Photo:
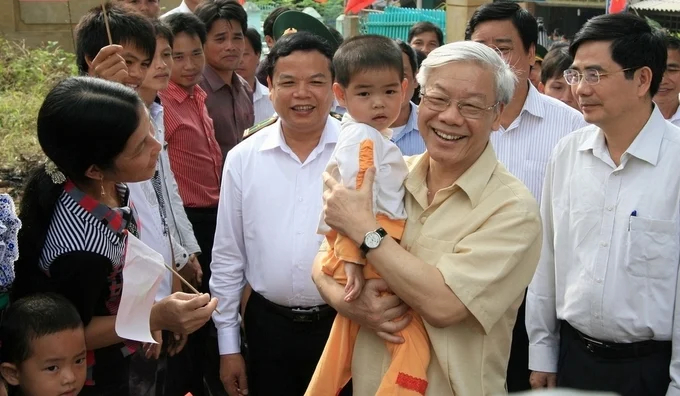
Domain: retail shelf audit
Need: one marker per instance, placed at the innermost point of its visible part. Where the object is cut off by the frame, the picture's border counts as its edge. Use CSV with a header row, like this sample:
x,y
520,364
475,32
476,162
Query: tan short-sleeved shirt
x,y
483,234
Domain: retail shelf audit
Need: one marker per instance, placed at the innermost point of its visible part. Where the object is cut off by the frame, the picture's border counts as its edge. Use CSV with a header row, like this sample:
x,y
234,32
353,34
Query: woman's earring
x,y
101,183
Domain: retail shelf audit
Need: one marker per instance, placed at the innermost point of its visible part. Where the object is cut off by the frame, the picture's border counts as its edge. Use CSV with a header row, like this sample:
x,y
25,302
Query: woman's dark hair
x,y
410,54
424,27
162,30
33,317
556,61
127,28
83,121
299,41
505,10
211,11
632,42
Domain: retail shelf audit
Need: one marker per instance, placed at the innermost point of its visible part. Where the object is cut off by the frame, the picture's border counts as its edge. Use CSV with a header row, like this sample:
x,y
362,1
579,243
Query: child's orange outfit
x,y
359,148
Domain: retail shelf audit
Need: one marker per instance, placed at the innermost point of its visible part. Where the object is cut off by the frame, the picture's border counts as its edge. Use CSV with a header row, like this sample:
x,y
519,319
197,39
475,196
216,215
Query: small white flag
x,y
142,275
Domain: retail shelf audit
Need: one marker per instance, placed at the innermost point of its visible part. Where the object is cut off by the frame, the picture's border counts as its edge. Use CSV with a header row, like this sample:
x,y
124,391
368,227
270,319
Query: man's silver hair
x,y
470,51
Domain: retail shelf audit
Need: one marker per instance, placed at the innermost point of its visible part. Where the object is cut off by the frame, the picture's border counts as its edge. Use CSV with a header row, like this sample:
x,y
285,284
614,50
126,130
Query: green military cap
x,y
540,52
295,21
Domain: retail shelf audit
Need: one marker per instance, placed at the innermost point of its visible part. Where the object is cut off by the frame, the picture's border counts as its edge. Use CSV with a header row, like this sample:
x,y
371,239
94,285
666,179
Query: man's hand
x,y
540,379
381,311
109,64
192,271
233,374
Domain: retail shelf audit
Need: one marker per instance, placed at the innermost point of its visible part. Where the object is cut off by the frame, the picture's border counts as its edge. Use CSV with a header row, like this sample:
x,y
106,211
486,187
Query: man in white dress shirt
x,y
250,60
187,6
531,126
602,309
668,98
266,236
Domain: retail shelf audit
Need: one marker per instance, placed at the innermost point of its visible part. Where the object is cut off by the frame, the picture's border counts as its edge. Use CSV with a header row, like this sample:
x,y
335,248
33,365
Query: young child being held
x,y
43,347
370,84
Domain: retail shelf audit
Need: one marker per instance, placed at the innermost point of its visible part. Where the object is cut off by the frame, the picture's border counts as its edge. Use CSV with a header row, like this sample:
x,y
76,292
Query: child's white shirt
x,y
391,169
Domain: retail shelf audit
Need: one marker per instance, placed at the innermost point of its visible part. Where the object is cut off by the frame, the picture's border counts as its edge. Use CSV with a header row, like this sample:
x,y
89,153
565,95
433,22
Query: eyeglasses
x,y
591,76
440,104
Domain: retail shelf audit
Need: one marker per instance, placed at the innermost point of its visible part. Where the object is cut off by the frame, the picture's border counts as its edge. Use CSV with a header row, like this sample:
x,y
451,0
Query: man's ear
x,y
10,373
88,60
404,86
340,95
541,87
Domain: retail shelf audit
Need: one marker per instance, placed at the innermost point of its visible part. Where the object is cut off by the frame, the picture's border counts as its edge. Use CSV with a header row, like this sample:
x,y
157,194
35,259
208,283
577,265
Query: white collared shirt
x,y
611,246
182,8
675,118
525,146
262,105
266,226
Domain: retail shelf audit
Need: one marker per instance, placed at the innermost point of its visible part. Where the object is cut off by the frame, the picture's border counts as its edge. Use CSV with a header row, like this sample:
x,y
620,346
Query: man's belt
x,y
296,314
613,350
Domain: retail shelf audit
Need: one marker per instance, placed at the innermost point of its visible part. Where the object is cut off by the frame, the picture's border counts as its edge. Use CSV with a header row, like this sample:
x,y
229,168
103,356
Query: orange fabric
x,y
366,160
407,374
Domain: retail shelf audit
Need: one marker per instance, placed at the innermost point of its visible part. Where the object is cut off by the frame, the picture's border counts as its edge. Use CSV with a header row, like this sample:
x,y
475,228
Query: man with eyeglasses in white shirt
x,y
668,98
531,126
602,309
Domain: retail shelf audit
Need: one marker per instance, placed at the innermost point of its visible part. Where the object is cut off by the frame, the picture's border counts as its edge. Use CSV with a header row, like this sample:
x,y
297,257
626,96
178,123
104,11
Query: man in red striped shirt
x,y
196,160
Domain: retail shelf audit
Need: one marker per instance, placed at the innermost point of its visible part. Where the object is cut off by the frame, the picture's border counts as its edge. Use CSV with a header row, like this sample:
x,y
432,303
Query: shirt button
x,y
422,219
610,208
299,199
598,280
597,316
604,244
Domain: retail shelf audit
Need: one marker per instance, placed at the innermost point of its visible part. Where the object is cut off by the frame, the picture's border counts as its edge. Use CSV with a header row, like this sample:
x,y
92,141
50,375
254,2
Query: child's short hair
x,y
162,30
126,28
33,317
366,52
556,61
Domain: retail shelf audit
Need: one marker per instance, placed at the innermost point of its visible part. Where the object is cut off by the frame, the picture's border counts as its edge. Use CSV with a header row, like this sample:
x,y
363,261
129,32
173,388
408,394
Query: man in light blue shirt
x,y
405,132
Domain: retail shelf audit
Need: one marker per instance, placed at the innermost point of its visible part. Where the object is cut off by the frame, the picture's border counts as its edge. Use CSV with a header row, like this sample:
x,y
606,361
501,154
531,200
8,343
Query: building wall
x,y
40,21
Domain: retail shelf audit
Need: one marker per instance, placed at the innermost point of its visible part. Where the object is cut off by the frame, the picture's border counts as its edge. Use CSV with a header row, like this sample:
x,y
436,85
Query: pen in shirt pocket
x,y
630,219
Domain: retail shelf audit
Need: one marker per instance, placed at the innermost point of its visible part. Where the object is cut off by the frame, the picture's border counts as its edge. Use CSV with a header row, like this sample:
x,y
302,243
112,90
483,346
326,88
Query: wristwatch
x,y
372,240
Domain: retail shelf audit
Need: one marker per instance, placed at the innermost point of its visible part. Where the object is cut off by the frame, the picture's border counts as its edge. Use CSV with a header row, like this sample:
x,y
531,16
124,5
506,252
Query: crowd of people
x,y
360,216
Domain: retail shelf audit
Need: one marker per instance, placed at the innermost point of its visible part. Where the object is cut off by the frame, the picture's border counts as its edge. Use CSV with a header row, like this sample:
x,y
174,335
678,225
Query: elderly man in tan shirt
x,y
472,239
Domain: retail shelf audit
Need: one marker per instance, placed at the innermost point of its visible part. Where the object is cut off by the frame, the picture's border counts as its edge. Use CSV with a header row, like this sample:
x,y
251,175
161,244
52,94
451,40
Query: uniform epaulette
x,y
337,116
257,127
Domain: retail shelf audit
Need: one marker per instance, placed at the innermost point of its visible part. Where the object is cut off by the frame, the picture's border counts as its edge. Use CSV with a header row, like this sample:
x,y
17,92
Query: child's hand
x,y
355,281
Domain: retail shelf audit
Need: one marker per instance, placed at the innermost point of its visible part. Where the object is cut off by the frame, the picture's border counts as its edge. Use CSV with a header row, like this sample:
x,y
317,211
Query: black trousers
x,y
580,368
201,364
518,365
282,353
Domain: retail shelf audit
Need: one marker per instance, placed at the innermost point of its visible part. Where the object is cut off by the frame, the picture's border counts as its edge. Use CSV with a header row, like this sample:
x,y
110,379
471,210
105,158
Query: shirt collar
x,y
260,91
212,78
473,181
156,111
411,124
675,116
116,220
275,139
347,120
646,145
179,94
184,7
534,102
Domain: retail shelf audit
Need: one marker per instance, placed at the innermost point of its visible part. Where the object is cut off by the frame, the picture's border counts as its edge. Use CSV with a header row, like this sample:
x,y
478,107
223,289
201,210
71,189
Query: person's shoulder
x,y
260,126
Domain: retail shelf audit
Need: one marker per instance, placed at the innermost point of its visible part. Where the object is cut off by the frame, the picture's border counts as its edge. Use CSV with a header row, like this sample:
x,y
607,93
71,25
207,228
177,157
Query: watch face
x,y
372,240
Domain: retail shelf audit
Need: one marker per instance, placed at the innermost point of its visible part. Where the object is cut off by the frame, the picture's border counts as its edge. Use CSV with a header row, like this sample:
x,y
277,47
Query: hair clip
x,y
54,173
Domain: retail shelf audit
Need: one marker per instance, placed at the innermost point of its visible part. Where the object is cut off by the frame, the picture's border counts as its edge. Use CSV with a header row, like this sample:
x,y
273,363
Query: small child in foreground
x,y
371,86
43,347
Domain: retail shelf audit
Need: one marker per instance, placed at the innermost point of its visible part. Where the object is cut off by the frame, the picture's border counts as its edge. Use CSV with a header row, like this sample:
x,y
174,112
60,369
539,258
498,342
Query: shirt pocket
x,y
652,247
